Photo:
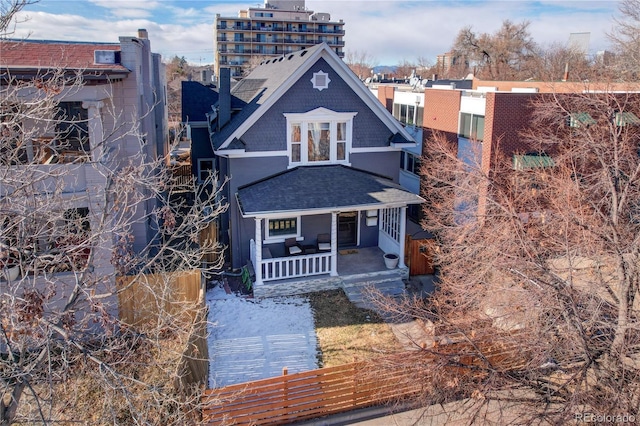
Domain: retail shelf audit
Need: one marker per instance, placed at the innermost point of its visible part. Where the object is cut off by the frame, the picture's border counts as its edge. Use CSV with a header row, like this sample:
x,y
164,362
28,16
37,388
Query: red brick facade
x,y
385,96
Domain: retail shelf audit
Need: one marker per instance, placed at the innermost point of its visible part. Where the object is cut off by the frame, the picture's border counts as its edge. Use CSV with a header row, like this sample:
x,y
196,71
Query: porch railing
x,y
296,266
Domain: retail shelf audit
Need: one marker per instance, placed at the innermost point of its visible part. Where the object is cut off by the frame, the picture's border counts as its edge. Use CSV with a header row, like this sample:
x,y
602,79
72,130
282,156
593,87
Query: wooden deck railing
x,y
307,395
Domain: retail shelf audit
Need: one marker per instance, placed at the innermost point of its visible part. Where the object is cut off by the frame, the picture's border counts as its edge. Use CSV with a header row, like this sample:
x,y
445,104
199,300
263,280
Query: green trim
x,y
578,119
528,162
624,118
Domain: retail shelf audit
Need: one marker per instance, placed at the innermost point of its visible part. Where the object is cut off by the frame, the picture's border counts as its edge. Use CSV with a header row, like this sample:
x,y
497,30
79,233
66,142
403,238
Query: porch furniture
x,y
324,242
292,247
266,253
309,249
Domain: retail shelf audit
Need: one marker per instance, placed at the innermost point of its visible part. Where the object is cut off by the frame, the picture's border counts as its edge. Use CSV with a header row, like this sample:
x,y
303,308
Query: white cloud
x,y
394,30
390,31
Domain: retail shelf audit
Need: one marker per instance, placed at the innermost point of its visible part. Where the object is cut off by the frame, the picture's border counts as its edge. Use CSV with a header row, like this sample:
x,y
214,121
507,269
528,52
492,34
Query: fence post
x,y
285,382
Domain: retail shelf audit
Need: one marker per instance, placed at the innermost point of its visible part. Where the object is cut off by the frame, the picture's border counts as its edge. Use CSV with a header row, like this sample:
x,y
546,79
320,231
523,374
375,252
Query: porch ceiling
x,y
316,188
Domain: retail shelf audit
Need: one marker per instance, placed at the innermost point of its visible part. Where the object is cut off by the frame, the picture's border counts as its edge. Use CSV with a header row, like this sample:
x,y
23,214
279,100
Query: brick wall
x,y
506,115
385,96
441,111
441,108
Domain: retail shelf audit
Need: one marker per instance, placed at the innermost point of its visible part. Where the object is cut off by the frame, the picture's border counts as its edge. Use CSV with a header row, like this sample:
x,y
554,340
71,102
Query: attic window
x,y
320,80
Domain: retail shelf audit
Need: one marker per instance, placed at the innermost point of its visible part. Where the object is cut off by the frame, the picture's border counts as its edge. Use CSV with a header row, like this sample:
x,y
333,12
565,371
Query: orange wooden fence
x,y
307,395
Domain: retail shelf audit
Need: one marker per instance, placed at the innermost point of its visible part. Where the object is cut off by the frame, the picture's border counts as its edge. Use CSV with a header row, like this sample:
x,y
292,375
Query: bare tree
x,y
404,69
537,309
8,11
68,257
504,55
254,61
626,39
360,62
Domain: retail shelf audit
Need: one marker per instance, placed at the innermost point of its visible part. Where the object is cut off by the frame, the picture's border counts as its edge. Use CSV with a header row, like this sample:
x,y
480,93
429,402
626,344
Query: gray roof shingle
x,y
321,187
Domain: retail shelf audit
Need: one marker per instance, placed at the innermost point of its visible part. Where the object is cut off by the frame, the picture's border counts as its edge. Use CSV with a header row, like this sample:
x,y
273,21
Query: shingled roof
x,y
321,188
39,55
259,85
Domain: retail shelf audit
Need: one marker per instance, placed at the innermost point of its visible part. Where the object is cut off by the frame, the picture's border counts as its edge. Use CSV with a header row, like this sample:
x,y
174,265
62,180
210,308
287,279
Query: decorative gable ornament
x,y
320,80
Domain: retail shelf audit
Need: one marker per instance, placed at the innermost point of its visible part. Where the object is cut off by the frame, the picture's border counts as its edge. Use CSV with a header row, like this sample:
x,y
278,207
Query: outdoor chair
x,y
324,242
292,247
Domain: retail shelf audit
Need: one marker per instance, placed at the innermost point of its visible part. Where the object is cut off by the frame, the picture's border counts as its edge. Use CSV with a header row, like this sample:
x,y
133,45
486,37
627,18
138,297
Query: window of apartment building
x,y
12,147
238,37
409,115
528,177
277,229
59,242
319,137
471,126
410,163
72,130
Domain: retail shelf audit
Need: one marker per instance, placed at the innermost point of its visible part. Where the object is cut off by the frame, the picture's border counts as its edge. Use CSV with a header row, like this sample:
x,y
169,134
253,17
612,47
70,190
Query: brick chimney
x,y
224,97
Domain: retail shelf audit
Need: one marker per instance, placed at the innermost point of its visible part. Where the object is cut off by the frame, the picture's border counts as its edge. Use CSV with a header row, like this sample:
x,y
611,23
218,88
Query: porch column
x,y
95,128
334,244
403,231
258,265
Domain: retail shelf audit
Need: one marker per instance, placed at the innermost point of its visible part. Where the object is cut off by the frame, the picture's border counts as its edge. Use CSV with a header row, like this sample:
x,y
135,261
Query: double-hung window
x,y
319,137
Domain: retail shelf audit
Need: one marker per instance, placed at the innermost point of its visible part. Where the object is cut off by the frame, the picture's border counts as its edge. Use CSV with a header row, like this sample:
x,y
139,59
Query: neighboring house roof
x,y
33,56
321,188
197,101
458,84
272,78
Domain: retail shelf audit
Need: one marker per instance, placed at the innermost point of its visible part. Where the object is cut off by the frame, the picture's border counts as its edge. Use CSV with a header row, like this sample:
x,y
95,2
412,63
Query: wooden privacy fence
x,y
195,358
307,395
142,298
179,298
326,391
419,255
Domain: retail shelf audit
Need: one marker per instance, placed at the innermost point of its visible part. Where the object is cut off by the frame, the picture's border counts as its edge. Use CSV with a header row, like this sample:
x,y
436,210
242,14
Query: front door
x,y
347,229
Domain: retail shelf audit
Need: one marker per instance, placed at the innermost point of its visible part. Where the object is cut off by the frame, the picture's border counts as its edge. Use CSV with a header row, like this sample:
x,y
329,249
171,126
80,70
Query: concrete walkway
x,y
411,333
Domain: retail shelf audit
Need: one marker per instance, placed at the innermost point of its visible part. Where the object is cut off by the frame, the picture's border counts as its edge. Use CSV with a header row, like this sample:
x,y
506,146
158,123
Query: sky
x,y
388,32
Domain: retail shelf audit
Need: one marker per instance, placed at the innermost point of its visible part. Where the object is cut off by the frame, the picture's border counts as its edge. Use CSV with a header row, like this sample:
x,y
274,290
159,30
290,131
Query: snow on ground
x,y
254,339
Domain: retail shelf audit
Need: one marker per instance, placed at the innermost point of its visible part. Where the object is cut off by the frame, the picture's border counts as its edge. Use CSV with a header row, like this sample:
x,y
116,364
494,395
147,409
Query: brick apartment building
x,y
487,119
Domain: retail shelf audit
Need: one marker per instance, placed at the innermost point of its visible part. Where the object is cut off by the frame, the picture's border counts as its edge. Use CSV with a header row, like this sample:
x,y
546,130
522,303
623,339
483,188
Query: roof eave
x,y
325,210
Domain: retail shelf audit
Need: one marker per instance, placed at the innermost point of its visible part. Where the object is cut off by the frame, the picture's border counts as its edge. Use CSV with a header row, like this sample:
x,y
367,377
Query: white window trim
x,y
320,115
280,238
200,160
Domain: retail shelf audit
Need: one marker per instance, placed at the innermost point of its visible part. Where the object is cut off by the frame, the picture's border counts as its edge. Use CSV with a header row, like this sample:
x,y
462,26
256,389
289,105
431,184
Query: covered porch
x,y
341,228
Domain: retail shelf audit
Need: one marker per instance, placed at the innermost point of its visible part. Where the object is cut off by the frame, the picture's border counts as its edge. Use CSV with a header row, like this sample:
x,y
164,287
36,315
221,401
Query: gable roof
x,y
197,101
321,188
274,77
32,56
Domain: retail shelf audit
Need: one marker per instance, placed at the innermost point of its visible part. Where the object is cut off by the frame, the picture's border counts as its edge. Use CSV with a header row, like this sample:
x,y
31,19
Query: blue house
x,y
313,161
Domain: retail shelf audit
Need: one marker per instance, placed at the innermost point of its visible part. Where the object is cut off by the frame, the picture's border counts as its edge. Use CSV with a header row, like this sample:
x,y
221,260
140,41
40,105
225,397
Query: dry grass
x,y
347,333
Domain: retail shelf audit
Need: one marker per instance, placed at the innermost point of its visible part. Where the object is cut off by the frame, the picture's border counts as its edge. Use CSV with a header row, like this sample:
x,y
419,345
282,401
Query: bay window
x,y
319,137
